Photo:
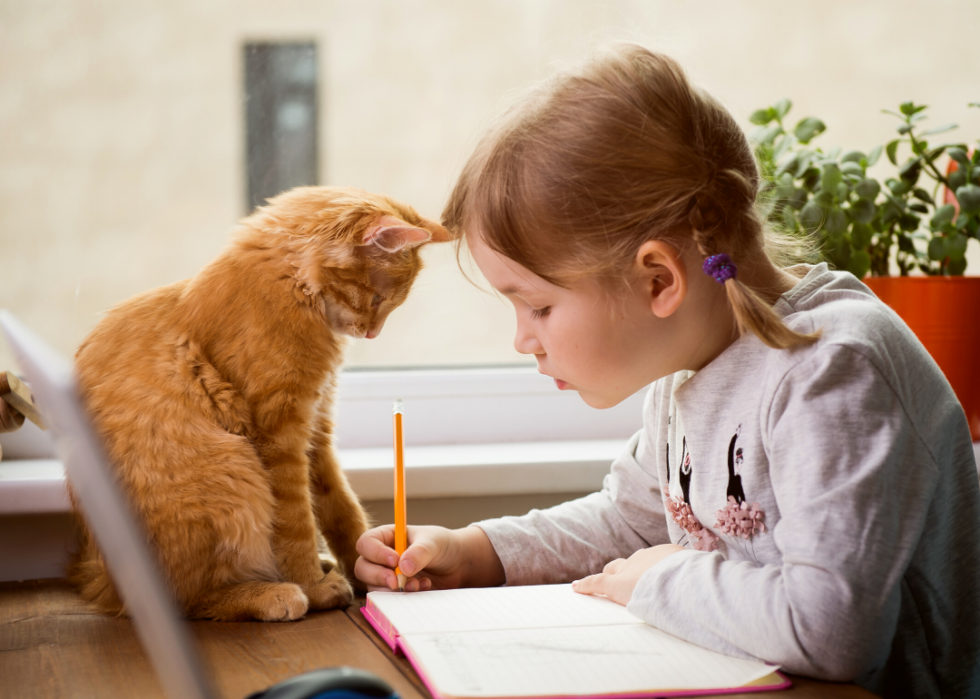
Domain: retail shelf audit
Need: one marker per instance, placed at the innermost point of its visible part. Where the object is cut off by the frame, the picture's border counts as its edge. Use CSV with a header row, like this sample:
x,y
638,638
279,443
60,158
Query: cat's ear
x,y
391,234
440,234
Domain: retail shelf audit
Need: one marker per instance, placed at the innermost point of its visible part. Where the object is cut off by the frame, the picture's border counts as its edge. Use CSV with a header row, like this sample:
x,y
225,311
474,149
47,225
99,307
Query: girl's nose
x,y
526,342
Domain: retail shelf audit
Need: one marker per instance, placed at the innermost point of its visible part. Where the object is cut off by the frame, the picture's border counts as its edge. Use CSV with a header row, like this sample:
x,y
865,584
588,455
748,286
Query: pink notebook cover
x,y
391,637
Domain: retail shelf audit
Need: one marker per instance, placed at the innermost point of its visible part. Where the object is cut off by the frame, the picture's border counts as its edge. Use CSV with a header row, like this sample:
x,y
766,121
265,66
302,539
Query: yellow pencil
x,y
401,519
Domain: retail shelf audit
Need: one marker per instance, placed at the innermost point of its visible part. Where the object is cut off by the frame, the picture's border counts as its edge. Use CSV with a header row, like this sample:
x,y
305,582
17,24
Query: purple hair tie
x,y
720,267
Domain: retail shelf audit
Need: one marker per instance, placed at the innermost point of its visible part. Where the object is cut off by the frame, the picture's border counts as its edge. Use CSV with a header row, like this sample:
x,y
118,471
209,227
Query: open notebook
x,y
548,641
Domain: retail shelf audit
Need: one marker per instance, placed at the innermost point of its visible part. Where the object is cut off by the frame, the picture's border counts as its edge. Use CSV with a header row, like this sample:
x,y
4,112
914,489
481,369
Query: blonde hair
x,y
586,169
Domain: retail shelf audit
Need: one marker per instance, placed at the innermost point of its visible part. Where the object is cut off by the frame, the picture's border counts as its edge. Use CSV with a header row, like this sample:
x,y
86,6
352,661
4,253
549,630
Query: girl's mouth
x,y
562,385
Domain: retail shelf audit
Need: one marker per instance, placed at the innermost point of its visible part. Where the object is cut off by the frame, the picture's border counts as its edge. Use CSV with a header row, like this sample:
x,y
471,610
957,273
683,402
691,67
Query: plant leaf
x,y
811,216
874,155
891,149
765,135
762,117
863,211
831,178
784,144
908,222
782,107
944,214
809,128
859,264
789,219
786,166
909,172
868,188
836,222
861,235
959,155
956,246
898,187
969,198
939,129
923,195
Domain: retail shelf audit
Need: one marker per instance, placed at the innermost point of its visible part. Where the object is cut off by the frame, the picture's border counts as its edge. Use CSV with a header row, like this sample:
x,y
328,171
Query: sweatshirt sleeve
x,y
853,482
577,538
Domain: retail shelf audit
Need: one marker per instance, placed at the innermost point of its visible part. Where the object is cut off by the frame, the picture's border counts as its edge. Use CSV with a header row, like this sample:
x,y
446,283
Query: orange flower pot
x,y
944,313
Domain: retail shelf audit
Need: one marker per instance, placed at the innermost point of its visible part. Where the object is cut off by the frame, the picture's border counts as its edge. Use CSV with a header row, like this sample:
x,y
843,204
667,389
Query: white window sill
x,y
37,486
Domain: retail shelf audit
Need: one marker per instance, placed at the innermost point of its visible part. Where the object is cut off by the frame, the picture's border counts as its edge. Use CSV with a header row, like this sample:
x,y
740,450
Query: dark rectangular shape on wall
x,y
280,118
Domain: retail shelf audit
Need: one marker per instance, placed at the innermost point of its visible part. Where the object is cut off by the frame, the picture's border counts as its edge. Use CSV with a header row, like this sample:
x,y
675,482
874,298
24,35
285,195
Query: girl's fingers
x,y
418,584
591,585
614,567
376,577
384,533
376,546
416,557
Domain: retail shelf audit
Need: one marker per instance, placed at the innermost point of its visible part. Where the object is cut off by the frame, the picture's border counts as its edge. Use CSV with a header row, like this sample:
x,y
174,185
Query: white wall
x,y
121,123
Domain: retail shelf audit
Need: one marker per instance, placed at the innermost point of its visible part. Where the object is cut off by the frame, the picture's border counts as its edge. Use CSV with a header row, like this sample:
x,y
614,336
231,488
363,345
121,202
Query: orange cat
x,y
214,395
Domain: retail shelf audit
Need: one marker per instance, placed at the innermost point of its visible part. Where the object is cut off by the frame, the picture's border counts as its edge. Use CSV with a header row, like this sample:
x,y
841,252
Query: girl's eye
x,y
540,312
376,301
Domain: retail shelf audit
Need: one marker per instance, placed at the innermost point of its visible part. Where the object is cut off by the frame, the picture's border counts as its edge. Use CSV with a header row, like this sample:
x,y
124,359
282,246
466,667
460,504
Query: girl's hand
x,y
618,579
436,559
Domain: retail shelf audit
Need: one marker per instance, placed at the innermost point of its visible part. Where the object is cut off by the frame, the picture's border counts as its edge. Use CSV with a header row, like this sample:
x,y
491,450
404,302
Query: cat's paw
x,y
280,602
330,592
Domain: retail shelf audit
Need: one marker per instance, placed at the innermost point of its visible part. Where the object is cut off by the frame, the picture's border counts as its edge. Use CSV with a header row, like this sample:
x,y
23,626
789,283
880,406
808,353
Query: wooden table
x,y
52,645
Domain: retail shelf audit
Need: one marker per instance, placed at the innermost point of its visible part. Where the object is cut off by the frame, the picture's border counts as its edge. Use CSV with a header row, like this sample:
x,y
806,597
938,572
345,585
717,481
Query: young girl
x,y
801,452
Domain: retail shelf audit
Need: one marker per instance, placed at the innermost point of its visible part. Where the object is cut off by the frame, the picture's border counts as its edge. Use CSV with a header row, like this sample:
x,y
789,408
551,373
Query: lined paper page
x,y
524,607
574,661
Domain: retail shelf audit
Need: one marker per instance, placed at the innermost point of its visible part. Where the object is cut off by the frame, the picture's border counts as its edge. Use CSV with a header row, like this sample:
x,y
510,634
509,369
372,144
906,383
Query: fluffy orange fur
x,y
214,395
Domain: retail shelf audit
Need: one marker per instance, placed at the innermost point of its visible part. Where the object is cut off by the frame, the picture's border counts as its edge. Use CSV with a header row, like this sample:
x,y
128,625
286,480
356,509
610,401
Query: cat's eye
x,y
376,301
540,312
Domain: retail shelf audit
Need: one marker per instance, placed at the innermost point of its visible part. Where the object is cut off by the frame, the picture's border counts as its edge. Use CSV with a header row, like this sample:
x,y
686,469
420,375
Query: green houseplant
x,y
861,224
919,221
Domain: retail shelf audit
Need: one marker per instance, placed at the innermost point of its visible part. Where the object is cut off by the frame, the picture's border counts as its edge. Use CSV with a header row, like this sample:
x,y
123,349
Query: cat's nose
x,y
375,330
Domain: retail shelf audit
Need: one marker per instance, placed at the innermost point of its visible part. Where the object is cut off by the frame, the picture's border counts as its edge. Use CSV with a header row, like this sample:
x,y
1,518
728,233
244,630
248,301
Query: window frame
x,y
472,405
469,432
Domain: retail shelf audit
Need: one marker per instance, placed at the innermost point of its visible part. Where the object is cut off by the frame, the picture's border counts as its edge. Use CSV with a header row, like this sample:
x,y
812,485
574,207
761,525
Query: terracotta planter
x,y
944,313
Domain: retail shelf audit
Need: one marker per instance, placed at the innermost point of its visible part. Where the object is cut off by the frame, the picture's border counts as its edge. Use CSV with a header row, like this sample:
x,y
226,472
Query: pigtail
x,y
753,313
722,218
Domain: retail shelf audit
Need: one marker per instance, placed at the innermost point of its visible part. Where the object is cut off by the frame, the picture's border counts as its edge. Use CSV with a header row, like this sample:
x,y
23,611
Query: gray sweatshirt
x,y
827,498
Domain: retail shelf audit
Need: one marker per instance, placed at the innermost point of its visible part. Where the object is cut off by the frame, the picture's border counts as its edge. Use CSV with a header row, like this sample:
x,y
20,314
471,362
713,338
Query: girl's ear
x,y
663,274
391,234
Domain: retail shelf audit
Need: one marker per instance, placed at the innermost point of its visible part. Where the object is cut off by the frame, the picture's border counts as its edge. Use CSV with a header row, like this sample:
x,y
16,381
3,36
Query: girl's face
x,y
605,349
